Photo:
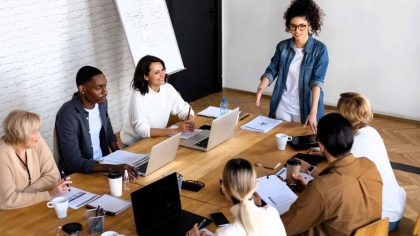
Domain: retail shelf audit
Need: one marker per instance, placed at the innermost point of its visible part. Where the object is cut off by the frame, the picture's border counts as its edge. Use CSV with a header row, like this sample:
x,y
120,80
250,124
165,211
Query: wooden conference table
x,y
195,165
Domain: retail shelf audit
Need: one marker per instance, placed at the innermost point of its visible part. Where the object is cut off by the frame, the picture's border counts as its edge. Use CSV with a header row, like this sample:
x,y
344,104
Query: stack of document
x,y
78,197
123,157
275,193
261,124
211,111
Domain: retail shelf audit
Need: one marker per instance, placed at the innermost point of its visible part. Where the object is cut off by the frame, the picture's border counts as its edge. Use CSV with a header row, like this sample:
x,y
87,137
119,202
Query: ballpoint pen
x,y
201,223
63,176
245,116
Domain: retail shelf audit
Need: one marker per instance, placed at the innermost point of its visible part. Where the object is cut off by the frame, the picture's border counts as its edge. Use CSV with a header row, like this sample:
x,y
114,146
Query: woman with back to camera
x,y
368,143
238,185
28,173
300,65
152,102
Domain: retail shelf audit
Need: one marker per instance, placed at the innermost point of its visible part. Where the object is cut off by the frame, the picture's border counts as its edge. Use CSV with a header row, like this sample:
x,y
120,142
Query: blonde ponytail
x,y
240,181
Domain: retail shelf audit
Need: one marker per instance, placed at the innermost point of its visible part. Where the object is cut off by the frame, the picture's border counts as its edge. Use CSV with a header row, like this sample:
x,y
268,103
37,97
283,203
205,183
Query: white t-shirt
x,y
268,218
95,125
289,101
368,143
152,111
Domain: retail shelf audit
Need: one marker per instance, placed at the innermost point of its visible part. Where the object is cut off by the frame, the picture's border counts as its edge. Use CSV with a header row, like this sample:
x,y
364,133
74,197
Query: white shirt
x,y
268,218
95,125
289,101
152,111
368,143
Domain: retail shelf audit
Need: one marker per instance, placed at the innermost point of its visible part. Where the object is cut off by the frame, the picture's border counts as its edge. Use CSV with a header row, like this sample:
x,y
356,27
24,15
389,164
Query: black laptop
x,y
157,209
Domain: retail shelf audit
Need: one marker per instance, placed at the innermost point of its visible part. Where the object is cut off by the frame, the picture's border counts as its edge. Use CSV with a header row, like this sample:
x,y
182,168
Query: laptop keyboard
x,y
141,165
203,143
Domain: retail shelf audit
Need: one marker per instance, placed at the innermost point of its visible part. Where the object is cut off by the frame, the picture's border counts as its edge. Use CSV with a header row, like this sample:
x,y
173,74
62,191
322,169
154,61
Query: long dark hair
x,y
142,69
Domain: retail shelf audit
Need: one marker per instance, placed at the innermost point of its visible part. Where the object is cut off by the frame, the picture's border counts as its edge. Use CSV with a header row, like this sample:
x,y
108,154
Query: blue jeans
x,y
393,225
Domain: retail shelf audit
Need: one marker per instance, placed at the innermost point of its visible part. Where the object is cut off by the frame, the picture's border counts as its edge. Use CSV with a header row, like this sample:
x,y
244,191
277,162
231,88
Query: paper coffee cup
x,y
281,140
293,167
60,204
115,183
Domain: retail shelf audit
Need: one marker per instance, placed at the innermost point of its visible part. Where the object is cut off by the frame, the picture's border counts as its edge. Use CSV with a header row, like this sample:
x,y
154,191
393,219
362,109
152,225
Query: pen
x,y
63,176
97,209
245,116
201,223
189,111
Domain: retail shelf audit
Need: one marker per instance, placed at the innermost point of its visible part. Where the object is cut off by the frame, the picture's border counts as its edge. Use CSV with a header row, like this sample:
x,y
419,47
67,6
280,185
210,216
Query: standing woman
x,y
152,102
299,64
238,185
28,173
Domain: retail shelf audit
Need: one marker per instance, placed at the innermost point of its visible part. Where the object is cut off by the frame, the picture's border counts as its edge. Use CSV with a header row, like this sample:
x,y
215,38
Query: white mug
x,y
60,204
281,140
110,233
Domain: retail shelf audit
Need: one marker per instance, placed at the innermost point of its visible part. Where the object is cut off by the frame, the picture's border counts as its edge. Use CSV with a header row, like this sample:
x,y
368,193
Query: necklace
x,y
26,166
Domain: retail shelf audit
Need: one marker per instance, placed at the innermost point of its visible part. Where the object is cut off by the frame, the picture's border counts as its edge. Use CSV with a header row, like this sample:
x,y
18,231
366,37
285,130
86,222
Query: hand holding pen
x,y
187,124
63,176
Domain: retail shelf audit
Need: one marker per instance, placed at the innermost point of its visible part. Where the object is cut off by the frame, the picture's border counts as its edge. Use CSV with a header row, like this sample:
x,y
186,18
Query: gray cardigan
x,y
73,138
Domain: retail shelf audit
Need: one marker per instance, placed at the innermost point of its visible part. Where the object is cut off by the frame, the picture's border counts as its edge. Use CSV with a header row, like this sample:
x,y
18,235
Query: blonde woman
x,y
28,173
239,185
368,143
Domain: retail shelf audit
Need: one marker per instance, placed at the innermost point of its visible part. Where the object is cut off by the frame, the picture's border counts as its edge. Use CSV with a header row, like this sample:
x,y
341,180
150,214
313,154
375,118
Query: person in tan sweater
x,y
28,173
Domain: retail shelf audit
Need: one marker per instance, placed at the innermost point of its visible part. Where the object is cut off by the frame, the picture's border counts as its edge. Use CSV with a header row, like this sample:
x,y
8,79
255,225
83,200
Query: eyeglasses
x,y
301,27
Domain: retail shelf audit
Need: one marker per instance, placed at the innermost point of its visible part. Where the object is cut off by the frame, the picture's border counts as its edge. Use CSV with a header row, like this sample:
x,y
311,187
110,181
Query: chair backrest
x,y
56,152
377,228
416,230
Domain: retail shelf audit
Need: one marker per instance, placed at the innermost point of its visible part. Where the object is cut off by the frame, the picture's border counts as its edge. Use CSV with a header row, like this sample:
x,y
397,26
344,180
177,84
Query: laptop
x,y
160,155
157,209
221,130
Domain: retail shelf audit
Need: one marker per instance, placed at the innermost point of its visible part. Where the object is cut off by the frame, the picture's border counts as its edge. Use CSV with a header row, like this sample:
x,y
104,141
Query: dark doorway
x,y
197,26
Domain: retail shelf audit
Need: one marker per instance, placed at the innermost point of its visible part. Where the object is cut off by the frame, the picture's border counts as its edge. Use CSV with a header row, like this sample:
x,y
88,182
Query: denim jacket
x,y
312,73
73,137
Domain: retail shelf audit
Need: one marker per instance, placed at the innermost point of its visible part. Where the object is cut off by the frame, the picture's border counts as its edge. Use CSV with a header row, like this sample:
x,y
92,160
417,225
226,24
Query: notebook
x,y
222,129
110,204
157,209
261,124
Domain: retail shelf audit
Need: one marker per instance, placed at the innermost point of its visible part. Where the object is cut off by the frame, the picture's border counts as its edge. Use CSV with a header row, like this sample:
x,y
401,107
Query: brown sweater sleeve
x,y
306,212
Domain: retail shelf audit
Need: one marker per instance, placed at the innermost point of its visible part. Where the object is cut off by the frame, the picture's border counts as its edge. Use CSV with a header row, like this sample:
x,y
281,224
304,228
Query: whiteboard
x,y
149,31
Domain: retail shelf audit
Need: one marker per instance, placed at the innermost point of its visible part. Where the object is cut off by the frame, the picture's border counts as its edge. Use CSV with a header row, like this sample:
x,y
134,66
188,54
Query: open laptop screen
x,y
156,201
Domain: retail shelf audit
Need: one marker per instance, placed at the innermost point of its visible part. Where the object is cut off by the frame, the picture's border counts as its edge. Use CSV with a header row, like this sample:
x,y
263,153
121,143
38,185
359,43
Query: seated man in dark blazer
x,y
345,196
83,128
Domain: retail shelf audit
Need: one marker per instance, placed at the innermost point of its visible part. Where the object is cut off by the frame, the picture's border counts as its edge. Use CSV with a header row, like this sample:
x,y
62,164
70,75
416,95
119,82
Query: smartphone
x,y
219,219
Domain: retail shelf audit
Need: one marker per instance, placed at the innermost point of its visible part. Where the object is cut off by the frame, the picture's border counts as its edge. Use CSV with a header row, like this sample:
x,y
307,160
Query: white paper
x,y
211,111
123,157
187,134
261,124
78,197
275,193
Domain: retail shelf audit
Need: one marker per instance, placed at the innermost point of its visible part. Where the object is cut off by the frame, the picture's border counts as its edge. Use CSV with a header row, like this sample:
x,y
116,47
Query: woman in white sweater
x,y
368,143
238,185
152,102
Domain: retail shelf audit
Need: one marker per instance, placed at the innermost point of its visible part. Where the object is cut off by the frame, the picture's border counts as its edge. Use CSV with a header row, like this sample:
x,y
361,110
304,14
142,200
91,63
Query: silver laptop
x,y
221,130
160,155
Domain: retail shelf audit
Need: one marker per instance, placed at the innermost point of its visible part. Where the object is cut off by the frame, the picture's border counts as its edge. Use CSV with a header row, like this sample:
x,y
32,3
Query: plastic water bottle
x,y
224,106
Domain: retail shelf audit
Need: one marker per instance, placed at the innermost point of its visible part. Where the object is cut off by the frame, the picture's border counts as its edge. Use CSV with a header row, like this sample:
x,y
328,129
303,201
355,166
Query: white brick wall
x,y
43,43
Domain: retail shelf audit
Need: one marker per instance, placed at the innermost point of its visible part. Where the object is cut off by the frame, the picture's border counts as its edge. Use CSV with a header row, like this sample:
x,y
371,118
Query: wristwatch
x,y
311,169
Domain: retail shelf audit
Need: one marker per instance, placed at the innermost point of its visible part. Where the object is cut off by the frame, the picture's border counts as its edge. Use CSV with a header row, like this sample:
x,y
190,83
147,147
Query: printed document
x,y
78,197
275,193
261,124
211,111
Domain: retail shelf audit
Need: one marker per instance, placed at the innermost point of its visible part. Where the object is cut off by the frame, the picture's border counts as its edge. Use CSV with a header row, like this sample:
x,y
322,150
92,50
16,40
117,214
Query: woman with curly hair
x,y
299,64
